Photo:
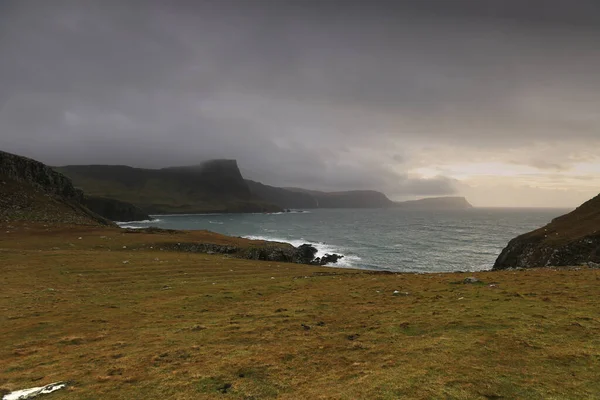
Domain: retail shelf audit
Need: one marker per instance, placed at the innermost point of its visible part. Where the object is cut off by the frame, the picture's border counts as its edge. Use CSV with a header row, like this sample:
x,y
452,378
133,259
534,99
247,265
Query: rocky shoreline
x,y
279,252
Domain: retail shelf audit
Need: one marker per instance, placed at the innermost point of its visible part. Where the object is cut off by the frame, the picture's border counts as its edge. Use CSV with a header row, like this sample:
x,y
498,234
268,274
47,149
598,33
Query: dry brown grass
x,y
195,326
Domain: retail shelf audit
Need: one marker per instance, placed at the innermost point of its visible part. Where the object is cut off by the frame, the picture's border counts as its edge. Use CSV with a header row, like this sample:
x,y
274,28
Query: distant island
x,y
436,203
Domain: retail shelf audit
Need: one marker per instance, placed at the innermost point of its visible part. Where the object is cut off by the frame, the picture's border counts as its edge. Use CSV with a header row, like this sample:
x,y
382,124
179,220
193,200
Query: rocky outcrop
x,y
435,203
569,240
32,191
278,252
38,175
215,186
115,210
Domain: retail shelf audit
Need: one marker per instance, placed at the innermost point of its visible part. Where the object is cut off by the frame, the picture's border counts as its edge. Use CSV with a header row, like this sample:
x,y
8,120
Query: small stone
x,y
197,328
471,279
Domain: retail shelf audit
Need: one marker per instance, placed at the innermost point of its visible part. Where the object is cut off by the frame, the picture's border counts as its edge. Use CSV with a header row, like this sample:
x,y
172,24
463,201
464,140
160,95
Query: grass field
x,y
120,319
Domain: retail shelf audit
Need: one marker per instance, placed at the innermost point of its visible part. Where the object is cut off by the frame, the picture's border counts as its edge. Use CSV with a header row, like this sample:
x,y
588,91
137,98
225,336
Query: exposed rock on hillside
x,y
32,191
572,239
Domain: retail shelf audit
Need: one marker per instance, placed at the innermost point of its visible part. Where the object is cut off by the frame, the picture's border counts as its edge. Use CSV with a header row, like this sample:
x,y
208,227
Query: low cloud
x,y
326,95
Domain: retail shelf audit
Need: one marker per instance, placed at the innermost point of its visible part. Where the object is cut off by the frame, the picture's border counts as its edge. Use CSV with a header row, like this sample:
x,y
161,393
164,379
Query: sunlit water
x,y
385,239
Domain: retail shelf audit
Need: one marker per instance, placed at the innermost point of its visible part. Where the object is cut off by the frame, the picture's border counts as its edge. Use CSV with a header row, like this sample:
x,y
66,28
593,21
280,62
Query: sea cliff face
x,y
569,240
115,210
32,191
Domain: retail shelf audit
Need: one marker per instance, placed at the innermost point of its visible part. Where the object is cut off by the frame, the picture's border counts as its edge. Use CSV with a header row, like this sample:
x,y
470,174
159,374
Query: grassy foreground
x,y
136,322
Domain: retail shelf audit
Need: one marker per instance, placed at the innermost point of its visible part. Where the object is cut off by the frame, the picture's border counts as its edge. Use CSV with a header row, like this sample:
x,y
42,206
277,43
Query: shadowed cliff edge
x,y
571,239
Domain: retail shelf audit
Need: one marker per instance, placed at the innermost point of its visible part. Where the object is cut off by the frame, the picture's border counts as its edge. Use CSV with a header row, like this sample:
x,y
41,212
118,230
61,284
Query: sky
x,y
495,100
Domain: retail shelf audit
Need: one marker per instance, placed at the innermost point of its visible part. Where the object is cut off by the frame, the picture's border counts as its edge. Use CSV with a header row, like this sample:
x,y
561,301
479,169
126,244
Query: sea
x,y
380,239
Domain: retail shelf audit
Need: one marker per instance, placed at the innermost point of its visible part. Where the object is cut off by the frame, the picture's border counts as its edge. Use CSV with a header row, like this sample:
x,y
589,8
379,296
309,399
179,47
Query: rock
x,y
197,328
33,191
305,253
570,240
34,392
328,259
471,279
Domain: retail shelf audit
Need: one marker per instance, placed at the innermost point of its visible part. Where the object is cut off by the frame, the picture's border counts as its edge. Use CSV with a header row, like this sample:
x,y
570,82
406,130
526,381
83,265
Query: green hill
x,y
215,186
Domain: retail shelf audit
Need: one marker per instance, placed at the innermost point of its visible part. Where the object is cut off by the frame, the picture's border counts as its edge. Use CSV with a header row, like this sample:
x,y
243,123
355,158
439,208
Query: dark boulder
x,y
327,259
305,254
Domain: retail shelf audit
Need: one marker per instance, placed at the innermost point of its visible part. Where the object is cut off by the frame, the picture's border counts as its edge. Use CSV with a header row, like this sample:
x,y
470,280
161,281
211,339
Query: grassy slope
x,y
581,222
184,326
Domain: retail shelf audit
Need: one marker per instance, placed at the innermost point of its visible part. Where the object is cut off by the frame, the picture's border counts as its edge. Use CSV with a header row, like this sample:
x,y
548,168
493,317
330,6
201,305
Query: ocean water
x,y
381,239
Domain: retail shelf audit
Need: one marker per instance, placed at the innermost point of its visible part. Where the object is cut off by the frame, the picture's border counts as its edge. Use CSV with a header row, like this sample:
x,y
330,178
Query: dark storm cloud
x,y
321,94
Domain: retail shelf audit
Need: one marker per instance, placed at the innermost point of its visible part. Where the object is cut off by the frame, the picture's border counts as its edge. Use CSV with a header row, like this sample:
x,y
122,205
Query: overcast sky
x,y
497,100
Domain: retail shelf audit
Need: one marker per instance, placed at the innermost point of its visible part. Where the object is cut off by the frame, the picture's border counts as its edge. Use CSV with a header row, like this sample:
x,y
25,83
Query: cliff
x,y
350,199
32,191
282,197
215,186
115,210
435,203
303,198
572,239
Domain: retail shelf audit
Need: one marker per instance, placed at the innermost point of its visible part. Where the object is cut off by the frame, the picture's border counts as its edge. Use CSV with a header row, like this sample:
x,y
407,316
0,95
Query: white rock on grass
x,y
34,392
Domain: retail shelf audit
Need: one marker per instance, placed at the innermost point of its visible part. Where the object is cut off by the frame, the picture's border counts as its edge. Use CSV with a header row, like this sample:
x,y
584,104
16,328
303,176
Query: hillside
x,y
347,199
282,197
571,239
212,187
303,198
435,203
31,191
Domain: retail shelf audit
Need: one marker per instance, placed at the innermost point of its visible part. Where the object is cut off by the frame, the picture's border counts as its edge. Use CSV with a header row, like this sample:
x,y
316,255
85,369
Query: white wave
x,y
145,221
185,215
215,222
132,227
349,261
